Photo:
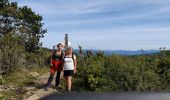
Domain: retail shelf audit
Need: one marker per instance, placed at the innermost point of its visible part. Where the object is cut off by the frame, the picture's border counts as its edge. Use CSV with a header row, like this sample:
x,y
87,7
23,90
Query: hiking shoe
x,y
59,87
69,91
46,88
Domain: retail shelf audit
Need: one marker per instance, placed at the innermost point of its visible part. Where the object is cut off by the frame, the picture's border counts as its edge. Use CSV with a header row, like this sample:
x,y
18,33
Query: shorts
x,y
68,73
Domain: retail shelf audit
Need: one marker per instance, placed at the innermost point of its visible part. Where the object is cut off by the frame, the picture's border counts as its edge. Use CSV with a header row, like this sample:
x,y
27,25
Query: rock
x,y
34,74
21,91
1,89
28,88
12,87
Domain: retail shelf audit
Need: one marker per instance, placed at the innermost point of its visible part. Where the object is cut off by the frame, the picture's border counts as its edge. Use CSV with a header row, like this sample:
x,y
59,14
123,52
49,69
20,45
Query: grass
x,y
40,70
18,78
6,95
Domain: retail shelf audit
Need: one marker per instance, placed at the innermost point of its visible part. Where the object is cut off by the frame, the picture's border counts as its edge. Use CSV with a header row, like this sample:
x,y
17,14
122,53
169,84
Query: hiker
x,y
69,67
56,65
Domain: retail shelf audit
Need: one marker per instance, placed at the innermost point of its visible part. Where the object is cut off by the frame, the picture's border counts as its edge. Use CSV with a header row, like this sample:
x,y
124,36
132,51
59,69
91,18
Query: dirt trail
x,y
35,90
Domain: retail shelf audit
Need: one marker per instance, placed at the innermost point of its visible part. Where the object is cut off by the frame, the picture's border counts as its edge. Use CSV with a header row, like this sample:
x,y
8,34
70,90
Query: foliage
x,y
23,22
12,55
124,73
20,33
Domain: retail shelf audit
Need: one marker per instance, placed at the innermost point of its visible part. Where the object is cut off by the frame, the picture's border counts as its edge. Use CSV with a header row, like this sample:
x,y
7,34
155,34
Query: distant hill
x,y
119,52
123,52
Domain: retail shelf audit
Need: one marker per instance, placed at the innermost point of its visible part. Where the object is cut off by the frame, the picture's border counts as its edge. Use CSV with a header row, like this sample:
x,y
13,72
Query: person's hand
x,y
51,65
75,74
75,71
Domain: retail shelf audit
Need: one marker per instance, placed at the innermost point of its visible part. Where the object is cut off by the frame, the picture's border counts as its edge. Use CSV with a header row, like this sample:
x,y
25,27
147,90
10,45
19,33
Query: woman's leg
x,y
57,81
50,79
58,75
68,82
68,78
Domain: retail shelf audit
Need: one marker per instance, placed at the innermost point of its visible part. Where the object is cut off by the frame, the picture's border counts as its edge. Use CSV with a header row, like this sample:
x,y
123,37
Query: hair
x,y
59,44
69,48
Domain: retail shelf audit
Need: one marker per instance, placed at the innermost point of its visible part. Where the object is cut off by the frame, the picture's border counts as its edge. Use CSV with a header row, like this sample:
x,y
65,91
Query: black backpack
x,y
62,54
72,56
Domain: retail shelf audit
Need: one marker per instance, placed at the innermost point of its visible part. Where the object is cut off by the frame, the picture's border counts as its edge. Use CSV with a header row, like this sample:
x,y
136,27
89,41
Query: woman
x,y
56,64
69,67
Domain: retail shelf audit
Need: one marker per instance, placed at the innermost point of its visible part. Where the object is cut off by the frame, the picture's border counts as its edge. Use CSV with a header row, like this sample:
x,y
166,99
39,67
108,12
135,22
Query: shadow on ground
x,y
110,96
34,84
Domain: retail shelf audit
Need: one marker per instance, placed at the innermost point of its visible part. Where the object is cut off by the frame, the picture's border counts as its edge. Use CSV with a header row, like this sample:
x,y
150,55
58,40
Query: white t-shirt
x,y
69,63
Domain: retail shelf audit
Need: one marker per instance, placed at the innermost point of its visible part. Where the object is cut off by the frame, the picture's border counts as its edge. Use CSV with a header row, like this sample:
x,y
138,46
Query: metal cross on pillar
x,y
66,40
66,43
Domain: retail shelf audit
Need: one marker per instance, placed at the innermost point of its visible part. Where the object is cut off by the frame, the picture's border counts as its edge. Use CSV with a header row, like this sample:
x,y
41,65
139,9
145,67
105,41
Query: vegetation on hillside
x,y
21,52
21,30
20,47
124,73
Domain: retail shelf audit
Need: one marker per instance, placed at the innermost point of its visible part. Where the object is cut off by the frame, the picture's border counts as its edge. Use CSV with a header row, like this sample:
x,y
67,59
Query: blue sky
x,y
105,24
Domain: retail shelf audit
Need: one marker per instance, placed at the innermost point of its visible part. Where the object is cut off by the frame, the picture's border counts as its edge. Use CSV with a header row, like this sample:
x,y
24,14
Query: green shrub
x,y
124,73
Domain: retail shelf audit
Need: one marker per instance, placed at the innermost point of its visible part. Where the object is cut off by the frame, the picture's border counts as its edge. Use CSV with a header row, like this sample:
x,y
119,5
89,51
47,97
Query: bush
x,y
124,73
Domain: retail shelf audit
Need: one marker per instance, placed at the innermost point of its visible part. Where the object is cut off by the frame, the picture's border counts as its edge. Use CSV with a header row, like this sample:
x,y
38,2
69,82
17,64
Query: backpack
x,y
72,56
62,53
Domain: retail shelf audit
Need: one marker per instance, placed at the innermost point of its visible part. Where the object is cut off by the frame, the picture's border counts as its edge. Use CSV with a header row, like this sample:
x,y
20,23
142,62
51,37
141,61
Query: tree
x,y
21,21
20,31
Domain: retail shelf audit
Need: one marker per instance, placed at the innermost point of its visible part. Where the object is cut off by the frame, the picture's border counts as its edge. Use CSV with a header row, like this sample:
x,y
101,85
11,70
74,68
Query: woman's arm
x,y
75,64
63,66
51,59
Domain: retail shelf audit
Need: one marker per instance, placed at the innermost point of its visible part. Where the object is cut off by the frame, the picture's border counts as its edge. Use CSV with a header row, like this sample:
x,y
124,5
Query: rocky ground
x,y
35,89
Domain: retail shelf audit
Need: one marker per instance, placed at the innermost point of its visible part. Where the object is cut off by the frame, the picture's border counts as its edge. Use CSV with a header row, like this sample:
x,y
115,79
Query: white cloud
x,y
70,15
81,6
129,39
